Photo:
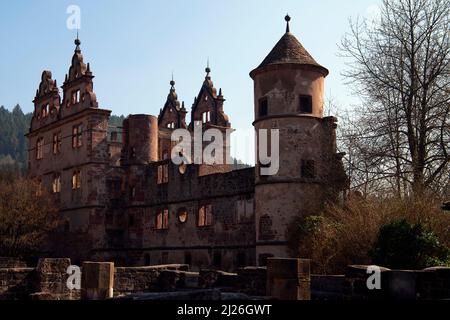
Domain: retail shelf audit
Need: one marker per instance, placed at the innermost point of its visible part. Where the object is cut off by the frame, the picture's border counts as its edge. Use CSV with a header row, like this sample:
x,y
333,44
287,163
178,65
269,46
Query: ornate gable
x,y
172,115
208,105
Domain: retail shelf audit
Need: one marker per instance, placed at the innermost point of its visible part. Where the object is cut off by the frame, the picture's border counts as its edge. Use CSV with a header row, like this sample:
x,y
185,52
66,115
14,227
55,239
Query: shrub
x,y
401,245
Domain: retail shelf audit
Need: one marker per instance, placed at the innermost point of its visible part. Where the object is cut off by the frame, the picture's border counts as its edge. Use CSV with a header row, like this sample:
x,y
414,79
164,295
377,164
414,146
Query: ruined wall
x,y
228,241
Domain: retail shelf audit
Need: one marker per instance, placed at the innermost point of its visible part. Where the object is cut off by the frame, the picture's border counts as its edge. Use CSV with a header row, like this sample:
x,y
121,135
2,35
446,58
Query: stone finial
x,y
287,18
77,43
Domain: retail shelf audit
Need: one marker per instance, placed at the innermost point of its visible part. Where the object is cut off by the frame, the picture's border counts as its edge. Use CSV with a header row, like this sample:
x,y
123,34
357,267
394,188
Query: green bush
x,y
401,245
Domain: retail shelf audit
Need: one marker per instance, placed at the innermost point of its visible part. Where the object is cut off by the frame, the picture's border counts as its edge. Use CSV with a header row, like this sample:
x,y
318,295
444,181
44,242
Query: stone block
x,y
97,280
288,279
402,285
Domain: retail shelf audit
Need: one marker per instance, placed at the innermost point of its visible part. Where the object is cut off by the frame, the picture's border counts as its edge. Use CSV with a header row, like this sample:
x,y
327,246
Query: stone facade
x,y
125,201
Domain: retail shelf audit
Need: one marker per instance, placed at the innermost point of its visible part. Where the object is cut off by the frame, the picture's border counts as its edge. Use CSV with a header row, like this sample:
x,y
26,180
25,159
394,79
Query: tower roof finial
x,y
287,18
77,42
172,82
208,69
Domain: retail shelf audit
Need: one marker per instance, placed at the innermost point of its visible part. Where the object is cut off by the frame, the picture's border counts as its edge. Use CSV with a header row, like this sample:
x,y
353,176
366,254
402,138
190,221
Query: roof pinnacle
x,y
287,18
77,43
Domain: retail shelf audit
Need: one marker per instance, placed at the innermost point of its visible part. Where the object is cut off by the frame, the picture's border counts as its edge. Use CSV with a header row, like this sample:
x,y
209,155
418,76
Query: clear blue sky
x,y
133,47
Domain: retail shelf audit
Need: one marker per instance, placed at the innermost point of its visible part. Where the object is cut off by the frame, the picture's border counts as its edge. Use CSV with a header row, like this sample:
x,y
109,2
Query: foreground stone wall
x,y
48,281
15,283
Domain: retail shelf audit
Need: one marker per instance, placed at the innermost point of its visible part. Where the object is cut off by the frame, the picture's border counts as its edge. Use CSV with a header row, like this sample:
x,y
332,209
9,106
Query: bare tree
x,y
400,67
27,215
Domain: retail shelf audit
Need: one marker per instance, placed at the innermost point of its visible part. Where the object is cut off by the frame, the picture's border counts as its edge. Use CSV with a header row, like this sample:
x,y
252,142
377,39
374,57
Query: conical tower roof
x,y
289,50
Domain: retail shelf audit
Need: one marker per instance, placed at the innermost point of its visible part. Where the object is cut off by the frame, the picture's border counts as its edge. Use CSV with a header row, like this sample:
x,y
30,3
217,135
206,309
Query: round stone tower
x,y
288,97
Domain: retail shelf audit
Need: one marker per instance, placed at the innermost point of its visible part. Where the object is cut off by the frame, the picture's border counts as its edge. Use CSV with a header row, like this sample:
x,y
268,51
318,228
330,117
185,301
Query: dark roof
x,y
290,50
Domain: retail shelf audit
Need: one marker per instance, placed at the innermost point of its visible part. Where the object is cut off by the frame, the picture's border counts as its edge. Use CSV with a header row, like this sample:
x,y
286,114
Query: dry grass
x,y
344,235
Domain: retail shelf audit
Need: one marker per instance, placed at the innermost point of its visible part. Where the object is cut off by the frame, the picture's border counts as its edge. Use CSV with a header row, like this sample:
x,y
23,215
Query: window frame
x,y
162,220
308,169
77,136
56,184
40,148
263,102
76,180
301,105
57,142
205,216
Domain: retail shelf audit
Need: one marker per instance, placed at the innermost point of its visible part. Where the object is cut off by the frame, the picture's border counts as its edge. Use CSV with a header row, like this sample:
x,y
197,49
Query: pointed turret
x,y
289,51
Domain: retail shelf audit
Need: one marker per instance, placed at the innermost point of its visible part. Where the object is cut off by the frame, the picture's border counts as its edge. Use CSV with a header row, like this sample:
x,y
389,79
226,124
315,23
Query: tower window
x,y
263,107
308,170
305,104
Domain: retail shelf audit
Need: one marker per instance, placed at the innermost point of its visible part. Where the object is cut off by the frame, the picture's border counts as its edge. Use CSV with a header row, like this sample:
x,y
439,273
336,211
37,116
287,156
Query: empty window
x,y
56,186
75,97
45,110
171,125
163,174
77,135
305,104
113,136
182,215
205,216
308,170
162,220
76,180
263,107
206,117
40,149
56,143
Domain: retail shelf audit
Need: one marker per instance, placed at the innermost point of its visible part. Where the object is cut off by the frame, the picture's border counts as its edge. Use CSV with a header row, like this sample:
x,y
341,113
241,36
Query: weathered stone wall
x,y
15,283
226,244
142,279
48,281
